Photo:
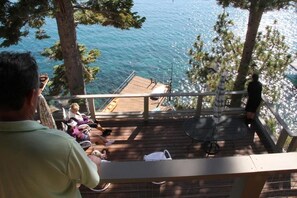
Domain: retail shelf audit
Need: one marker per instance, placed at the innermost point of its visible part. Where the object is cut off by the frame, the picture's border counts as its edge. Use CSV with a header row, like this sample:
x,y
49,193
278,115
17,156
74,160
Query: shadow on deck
x,y
135,138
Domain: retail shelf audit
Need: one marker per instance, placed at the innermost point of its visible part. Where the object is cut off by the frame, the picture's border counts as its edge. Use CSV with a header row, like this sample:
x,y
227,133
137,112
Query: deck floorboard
x,y
135,138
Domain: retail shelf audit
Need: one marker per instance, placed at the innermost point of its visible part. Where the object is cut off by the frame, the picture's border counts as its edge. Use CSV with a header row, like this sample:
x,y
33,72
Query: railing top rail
x,y
278,118
188,94
139,95
182,169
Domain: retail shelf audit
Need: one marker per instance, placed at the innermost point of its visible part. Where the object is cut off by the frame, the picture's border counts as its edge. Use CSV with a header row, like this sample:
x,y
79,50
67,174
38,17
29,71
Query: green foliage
x,y
54,52
268,5
271,124
256,8
244,4
108,12
270,58
59,84
17,17
222,56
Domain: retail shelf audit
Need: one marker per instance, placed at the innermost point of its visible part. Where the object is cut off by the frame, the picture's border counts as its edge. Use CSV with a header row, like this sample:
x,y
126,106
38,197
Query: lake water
x,y
160,47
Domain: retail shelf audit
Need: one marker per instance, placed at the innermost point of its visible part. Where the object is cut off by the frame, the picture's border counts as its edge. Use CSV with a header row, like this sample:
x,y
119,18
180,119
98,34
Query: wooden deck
x,y
135,86
136,138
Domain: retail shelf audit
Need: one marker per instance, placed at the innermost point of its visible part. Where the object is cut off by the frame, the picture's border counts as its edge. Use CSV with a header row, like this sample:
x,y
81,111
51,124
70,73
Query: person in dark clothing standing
x,y
254,98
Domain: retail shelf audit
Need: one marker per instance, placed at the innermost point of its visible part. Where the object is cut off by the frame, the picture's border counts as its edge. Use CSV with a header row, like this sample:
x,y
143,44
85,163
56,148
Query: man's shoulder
x,y
43,132
60,139
56,133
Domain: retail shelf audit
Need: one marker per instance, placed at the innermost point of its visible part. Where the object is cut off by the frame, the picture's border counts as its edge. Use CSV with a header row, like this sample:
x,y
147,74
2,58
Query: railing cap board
x,y
185,169
139,95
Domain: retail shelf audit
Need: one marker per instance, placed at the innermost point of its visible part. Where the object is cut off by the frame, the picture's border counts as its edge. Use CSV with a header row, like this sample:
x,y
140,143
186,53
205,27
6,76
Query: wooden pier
x,y
135,86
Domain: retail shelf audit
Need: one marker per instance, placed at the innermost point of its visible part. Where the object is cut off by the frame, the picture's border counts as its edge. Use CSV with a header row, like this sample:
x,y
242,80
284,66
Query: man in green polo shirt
x,y
35,161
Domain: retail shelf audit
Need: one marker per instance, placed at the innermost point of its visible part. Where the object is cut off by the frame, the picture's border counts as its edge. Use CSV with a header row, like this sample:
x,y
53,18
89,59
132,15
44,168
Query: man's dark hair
x,y
18,76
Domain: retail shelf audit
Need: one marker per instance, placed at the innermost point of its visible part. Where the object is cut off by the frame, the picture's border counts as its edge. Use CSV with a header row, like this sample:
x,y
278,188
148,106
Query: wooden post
x,y
199,106
293,145
92,108
282,140
249,186
146,108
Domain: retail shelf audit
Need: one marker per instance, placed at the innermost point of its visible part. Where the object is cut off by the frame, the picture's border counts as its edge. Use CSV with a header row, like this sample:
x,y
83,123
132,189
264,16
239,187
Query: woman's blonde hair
x,y
74,106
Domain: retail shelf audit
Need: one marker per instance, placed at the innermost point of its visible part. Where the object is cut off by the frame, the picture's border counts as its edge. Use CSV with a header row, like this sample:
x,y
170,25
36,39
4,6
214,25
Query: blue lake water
x,y
161,44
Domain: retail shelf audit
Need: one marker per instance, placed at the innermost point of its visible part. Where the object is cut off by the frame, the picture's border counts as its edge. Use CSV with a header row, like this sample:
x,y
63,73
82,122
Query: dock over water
x,y
135,86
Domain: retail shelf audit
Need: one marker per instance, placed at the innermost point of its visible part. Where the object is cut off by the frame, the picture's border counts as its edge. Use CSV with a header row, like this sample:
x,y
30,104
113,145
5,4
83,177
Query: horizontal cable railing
x,y
197,111
286,140
251,175
282,139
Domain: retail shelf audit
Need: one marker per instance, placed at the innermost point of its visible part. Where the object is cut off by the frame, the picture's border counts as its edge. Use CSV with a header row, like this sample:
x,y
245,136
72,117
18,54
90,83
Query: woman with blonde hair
x,y
83,119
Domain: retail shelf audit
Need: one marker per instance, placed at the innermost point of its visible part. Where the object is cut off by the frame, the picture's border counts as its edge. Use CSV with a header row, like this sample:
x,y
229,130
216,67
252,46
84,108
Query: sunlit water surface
x,y
160,47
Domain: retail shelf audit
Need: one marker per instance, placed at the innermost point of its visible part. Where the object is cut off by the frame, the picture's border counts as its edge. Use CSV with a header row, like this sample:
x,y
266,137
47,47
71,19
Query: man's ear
x,y
32,98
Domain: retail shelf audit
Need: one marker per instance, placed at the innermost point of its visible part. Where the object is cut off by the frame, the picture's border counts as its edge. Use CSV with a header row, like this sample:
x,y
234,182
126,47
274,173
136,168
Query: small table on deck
x,y
207,131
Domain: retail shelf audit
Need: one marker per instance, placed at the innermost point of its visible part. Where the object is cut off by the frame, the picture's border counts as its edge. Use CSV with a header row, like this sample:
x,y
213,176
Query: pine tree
x,y
256,9
17,17
59,84
270,58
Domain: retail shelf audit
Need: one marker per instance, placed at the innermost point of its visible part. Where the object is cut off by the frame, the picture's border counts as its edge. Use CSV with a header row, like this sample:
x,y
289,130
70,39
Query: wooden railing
x,y
285,139
277,142
146,114
250,173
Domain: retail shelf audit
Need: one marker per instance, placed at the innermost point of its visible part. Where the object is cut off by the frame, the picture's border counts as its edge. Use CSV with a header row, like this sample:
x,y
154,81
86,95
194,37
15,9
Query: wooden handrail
x,y
278,142
249,172
246,168
94,96
278,118
146,114
180,169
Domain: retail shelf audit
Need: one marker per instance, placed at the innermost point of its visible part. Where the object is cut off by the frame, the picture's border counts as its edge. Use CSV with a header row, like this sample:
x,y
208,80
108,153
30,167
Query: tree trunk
x,y
69,47
255,15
